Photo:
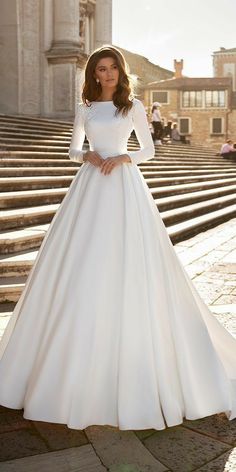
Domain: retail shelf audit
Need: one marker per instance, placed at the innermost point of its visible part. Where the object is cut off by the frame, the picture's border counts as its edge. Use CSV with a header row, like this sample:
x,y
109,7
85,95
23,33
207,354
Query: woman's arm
x,y
78,135
143,134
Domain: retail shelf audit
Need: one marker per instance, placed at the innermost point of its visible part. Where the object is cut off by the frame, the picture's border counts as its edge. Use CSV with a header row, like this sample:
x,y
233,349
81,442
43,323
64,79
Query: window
x,y
192,99
217,126
161,97
184,125
215,98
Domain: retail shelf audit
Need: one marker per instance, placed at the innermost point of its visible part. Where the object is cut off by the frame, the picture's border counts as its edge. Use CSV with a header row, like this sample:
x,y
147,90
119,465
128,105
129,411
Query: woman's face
x,y
107,72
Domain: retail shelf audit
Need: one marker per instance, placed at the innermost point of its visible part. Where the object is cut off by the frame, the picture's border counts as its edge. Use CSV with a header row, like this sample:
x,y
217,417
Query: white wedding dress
x,y
109,329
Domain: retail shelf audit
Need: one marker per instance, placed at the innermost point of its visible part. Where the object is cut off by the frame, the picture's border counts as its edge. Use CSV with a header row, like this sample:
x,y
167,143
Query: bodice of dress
x,y
108,132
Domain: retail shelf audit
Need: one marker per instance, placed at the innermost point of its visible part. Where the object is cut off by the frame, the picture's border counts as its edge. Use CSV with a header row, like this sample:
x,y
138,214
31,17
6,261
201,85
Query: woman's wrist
x,y
124,158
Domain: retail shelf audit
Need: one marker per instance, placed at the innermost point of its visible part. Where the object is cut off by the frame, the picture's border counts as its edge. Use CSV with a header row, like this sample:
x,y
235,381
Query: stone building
x,y
202,107
224,65
44,45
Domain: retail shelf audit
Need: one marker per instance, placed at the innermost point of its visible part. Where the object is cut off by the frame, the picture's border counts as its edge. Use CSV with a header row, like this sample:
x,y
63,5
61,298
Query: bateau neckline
x,y
102,101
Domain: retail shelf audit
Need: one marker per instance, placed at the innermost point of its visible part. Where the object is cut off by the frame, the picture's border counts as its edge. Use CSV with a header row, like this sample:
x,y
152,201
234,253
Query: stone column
x,y
9,58
86,36
29,56
103,22
64,57
66,24
91,31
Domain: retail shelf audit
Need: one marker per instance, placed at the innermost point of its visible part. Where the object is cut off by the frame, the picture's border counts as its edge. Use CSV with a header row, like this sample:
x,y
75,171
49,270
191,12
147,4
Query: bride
x,y
109,329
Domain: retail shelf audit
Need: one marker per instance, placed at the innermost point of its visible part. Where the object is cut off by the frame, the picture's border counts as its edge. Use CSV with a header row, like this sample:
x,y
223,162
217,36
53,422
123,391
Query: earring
x,y
97,80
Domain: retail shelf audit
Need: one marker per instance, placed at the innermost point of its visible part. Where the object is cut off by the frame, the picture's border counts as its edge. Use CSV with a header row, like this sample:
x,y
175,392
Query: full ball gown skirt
x,y
109,329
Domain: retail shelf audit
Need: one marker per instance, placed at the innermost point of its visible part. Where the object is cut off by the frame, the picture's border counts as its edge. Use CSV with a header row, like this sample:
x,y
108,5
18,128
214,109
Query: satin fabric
x,y
109,329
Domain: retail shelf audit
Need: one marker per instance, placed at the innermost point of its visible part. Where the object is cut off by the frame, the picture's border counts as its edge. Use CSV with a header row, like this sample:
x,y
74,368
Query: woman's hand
x,y
93,157
110,163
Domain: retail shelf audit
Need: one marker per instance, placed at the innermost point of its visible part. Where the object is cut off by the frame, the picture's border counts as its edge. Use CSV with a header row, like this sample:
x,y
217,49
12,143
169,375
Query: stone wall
x,y
232,126
44,46
9,59
224,65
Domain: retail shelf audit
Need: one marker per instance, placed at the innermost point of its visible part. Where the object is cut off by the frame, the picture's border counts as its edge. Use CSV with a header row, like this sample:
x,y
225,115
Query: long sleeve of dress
x,y
78,135
143,134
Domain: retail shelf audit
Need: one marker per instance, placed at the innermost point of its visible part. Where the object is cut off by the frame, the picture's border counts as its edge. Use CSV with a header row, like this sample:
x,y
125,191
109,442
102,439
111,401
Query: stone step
x,y
170,161
33,155
173,180
38,171
188,157
191,187
51,140
18,162
27,238
177,215
31,236
33,147
26,198
26,121
23,170
39,182
157,162
31,198
11,289
11,286
19,142
31,165
184,150
17,265
18,218
15,128
43,214
12,135
176,201
6,142
34,182
162,164
44,146
34,135
184,230
36,120
183,172
47,145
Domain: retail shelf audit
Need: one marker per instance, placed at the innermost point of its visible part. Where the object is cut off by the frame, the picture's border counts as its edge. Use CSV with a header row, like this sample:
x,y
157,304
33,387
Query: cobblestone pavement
x,y
206,445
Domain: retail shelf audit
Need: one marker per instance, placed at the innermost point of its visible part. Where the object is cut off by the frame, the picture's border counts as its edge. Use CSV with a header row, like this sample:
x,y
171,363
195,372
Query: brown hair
x,y
92,89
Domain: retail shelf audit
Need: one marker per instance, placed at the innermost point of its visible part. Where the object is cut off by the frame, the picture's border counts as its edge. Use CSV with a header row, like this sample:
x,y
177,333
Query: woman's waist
x,y
112,152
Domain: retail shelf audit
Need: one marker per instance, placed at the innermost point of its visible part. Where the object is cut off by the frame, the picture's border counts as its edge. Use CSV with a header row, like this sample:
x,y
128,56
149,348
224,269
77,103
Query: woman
x,y
109,329
175,136
157,124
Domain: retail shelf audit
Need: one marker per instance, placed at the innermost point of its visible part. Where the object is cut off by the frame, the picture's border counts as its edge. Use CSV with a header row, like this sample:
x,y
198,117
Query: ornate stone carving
x,y
86,24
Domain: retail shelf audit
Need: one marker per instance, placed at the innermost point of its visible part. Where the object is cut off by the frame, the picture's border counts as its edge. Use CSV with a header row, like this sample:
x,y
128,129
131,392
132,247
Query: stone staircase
x,y
193,189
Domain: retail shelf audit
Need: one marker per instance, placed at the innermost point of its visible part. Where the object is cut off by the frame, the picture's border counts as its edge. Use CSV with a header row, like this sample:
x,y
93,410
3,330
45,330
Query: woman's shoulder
x,y
81,106
137,102
138,106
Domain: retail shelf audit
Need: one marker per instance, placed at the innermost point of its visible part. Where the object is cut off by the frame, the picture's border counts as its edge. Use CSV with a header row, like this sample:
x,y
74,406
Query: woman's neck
x,y
106,95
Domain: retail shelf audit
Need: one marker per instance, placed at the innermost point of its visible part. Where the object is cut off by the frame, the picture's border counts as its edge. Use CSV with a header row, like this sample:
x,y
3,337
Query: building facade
x,y
43,49
224,65
202,107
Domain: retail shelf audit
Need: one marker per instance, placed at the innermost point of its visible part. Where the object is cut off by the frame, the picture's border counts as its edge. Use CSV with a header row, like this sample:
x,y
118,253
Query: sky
x,y
164,30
